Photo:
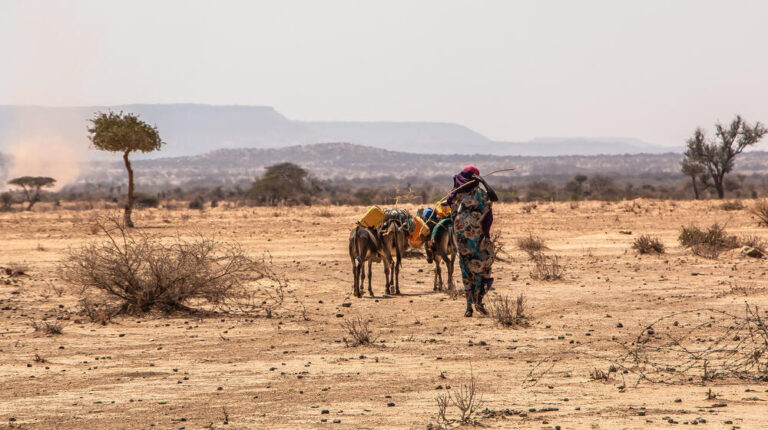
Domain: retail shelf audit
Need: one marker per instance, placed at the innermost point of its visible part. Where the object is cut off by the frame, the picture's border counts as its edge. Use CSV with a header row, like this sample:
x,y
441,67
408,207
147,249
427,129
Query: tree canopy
x,y
281,183
717,155
119,132
31,186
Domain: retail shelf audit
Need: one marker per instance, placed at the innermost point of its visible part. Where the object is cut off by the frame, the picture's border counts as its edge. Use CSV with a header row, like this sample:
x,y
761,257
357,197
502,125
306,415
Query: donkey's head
x,y
429,249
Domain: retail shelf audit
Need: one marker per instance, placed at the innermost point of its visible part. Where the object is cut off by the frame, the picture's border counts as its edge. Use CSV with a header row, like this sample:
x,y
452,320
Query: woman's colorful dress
x,y
475,247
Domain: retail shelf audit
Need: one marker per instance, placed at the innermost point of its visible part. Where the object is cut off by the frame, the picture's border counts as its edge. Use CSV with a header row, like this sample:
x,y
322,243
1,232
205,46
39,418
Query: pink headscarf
x,y
474,170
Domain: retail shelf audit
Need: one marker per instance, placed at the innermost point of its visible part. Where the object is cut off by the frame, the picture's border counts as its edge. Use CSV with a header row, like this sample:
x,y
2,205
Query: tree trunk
x,y
695,188
129,204
719,187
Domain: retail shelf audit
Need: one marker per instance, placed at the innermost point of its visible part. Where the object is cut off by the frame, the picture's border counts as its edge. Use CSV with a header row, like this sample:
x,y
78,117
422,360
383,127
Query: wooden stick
x,y
473,181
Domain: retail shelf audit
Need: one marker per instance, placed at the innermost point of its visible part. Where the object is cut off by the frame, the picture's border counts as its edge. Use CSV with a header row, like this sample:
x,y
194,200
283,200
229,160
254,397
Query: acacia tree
x,y
692,170
284,182
717,155
31,187
118,132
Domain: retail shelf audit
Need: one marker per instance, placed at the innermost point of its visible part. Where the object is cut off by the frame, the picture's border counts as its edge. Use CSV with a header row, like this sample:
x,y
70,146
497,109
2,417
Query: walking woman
x,y
473,216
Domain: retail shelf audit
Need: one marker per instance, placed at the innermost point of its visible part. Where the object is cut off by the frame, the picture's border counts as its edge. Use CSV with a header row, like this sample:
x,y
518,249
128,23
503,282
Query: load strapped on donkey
x,y
379,219
384,235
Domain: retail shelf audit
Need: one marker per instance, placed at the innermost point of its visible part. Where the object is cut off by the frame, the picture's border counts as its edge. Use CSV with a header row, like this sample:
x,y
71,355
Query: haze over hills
x,y
361,163
192,129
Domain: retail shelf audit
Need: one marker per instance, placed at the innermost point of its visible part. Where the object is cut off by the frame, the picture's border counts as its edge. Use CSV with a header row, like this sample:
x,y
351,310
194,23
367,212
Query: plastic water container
x,y
442,211
373,217
420,232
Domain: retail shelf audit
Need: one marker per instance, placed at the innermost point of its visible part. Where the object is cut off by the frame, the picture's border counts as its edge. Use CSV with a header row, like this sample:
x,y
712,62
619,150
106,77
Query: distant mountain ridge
x,y
192,129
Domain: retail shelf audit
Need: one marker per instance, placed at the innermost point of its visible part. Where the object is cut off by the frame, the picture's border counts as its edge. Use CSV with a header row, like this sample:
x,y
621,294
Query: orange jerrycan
x,y
420,232
373,217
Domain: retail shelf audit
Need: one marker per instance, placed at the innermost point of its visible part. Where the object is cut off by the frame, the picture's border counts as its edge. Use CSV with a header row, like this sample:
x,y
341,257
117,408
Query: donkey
x,y
398,243
442,246
366,245
399,226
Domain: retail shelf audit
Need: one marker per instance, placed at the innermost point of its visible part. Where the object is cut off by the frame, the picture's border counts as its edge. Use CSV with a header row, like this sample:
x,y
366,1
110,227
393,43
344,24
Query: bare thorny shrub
x,y
466,399
760,210
498,245
698,345
358,331
508,311
709,343
546,268
133,272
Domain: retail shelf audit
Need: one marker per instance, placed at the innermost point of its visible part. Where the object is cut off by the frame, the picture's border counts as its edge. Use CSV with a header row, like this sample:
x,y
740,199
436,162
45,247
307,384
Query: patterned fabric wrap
x,y
475,248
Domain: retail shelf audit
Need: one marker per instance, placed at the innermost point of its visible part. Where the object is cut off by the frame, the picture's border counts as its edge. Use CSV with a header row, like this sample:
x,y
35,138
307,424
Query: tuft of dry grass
x,y
546,268
467,399
599,375
508,311
646,244
531,244
733,205
359,331
50,328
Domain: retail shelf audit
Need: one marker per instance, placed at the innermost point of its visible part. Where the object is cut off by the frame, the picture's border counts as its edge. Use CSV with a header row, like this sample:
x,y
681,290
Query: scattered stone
x,y
748,251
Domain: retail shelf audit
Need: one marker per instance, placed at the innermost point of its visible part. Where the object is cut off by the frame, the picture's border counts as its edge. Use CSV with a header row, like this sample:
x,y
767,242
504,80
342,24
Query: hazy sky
x,y
511,70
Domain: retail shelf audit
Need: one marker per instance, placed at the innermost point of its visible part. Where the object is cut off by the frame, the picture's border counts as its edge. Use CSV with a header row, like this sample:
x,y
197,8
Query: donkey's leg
x,y
438,275
370,276
397,272
354,275
387,276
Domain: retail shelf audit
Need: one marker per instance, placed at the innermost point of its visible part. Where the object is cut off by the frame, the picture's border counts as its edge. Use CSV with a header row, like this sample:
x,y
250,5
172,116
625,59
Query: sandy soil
x,y
186,372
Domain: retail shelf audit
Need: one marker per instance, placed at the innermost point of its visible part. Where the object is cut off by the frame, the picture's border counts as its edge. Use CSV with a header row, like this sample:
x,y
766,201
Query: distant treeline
x,y
287,184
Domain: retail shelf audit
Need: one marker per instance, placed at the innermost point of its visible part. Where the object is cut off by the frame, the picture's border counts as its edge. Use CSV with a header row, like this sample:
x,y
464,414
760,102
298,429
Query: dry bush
x,y
529,207
324,212
531,244
707,243
760,210
700,343
498,245
546,268
466,399
734,205
137,272
508,311
646,244
50,328
752,241
359,331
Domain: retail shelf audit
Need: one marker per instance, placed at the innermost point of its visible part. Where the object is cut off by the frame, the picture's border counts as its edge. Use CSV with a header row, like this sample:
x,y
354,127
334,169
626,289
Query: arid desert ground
x,y
294,370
